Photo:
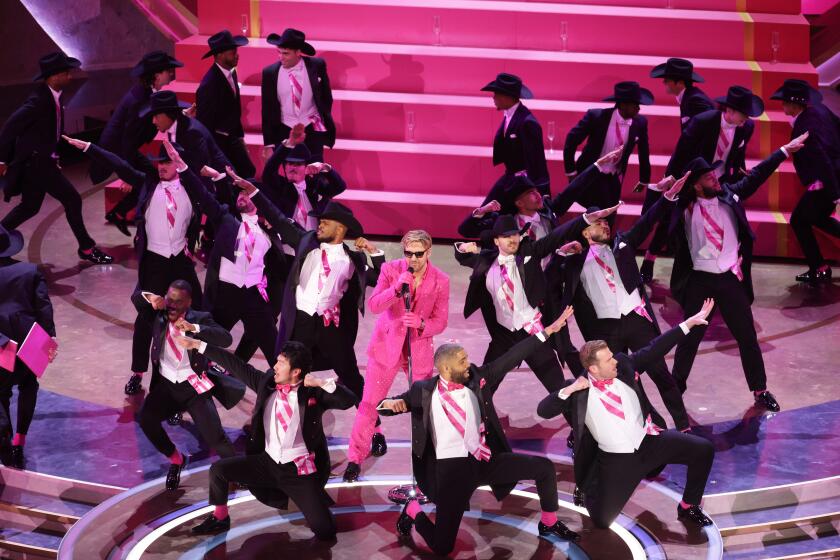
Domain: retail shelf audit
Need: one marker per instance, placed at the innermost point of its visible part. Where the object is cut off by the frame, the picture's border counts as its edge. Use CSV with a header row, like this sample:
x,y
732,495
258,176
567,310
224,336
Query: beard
x,y
710,192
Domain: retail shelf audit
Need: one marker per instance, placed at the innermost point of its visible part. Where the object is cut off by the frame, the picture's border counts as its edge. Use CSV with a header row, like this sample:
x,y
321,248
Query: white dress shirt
x,y
729,131
522,313
446,439
703,254
607,304
173,369
162,239
309,298
539,229
680,96
509,114
290,115
613,434
171,134
241,272
611,142
228,74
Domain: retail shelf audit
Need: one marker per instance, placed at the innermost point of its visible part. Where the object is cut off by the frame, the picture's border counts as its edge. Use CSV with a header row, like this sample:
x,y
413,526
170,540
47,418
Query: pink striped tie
x,y
171,207
305,464
507,285
643,312
170,341
714,233
610,400
534,325
619,138
520,221
325,264
284,407
608,272
300,212
458,418
722,144
250,241
297,91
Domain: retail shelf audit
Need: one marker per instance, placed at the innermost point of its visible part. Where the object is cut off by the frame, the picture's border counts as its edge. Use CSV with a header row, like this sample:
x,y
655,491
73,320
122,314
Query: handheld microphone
x,y
405,287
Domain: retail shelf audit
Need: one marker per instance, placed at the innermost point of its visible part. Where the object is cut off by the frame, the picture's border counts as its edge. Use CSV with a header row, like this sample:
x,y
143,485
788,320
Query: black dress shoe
x,y
570,440
173,477
577,496
211,525
768,401
693,514
134,385
95,256
175,419
6,450
646,270
16,458
813,276
404,521
120,222
352,472
378,445
558,530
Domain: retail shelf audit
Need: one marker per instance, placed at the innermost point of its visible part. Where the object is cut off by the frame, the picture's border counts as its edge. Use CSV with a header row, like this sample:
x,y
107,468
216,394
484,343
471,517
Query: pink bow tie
x,y
285,387
450,385
601,384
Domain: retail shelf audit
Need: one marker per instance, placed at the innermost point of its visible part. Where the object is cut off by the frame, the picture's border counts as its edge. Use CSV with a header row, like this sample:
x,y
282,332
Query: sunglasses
x,y
415,254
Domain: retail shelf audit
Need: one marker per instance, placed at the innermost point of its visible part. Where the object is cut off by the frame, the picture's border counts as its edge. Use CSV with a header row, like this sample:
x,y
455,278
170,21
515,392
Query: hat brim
x,y
15,244
697,173
139,69
149,111
238,41
755,109
277,41
660,71
645,98
71,64
354,228
814,96
524,92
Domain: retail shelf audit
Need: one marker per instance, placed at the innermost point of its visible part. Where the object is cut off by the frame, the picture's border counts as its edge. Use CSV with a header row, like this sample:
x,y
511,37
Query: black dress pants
x,y
814,209
734,305
331,347
155,274
27,385
306,491
165,399
633,332
618,474
234,304
40,177
543,361
457,480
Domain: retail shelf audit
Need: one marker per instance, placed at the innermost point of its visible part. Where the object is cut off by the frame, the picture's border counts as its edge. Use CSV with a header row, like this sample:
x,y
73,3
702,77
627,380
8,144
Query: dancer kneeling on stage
x,y
287,455
619,436
459,445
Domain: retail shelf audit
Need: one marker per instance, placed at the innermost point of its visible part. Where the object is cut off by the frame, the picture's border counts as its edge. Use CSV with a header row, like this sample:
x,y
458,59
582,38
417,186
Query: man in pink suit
x,y
387,351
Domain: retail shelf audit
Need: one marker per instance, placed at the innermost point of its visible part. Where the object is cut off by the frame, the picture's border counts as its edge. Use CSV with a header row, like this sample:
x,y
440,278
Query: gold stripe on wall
x,y
255,18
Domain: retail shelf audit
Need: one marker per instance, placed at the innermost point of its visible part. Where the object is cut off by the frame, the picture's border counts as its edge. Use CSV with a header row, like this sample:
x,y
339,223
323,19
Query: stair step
x,y
780,514
655,31
35,501
70,490
814,542
20,544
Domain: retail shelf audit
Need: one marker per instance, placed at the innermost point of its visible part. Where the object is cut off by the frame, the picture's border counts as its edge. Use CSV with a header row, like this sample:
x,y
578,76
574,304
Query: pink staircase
x,y
390,60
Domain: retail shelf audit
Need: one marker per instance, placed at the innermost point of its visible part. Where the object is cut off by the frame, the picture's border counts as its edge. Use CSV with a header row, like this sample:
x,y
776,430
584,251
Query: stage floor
x,y
85,426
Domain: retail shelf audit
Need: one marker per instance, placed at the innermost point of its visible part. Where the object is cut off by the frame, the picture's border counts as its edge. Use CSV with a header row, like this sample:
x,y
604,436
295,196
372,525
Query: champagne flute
x,y
551,136
564,36
410,123
436,29
244,27
775,45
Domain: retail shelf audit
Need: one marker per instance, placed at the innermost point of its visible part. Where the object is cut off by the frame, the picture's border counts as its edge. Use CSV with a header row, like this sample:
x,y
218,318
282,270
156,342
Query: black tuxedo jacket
x,y
483,382
320,189
623,247
25,300
699,139
227,390
694,101
126,132
574,407
272,124
521,147
528,259
732,195
593,128
30,132
819,159
312,402
304,242
218,107
199,147
226,225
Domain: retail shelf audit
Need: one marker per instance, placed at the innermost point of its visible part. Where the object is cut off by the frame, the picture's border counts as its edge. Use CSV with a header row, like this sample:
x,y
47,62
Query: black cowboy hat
x,y
797,91
163,155
341,214
154,62
509,84
698,166
676,69
224,41
161,102
291,39
516,187
743,100
299,154
506,225
54,63
589,210
632,92
11,242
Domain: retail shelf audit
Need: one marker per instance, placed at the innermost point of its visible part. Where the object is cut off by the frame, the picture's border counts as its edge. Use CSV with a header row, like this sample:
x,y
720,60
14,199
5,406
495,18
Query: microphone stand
x,y
405,492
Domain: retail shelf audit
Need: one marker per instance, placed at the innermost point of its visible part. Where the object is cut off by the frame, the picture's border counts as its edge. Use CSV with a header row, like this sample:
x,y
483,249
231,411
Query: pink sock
x,y
548,518
685,505
649,256
140,373
377,429
176,458
413,509
756,393
220,512
19,439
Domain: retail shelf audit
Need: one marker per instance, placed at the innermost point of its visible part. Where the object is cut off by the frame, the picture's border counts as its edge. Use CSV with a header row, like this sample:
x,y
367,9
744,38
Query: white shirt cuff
x,y
573,173
586,219
219,177
674,199
329,385
197,328
251,195
784,151
202,347
561,396
378,253
542,336
286,143
182,169
87,147
684,327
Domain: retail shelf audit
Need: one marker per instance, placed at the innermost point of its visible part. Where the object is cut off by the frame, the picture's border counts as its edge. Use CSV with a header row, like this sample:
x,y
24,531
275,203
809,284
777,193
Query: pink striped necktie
x,y
722,144
458,418
609,276
284,406
619,137
250,241
325,266
170,341
610,400
171,206
507,285
520,221
297,91
643,312
301,215
712,229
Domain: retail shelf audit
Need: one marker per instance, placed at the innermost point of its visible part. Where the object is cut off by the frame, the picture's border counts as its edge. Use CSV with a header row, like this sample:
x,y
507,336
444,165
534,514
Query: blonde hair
x,y
589,352
417,236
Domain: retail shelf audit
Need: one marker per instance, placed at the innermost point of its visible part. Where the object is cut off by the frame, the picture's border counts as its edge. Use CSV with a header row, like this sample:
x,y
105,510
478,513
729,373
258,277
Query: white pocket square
x,y
622,245
528,258
741,145
513,135
736,197
319,79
